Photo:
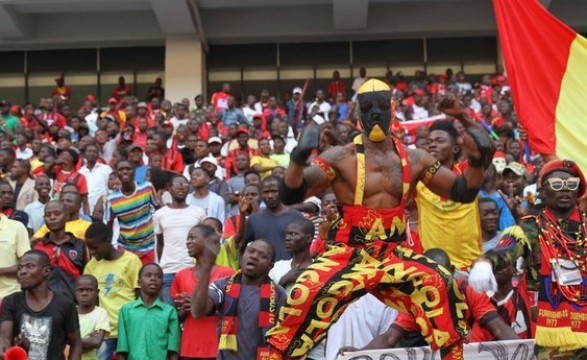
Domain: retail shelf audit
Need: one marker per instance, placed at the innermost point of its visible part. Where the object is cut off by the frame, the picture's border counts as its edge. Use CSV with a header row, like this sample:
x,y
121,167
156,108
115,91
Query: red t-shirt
x,y
515,311
140,139
481,309
172,160
70,177
52,118
199,338
120,92
220,100
336,87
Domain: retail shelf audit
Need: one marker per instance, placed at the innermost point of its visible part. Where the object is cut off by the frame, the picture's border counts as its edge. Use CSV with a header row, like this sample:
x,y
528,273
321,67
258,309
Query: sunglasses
x,y
557,184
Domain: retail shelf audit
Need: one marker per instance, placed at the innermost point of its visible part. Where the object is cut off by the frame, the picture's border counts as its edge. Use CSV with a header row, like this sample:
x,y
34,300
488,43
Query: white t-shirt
x,y
177,122
359,324
280,268
213,205
418,112
324,108
250,112
25,154
175,224
358,82
97,180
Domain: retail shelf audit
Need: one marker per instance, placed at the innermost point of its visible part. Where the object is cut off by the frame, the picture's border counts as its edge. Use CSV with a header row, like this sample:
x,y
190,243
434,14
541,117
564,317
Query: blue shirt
x,y
141,173
233,116
506,219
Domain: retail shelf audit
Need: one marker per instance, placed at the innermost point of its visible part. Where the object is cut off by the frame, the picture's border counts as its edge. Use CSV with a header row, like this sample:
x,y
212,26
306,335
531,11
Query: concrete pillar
x,y
500,56
185,67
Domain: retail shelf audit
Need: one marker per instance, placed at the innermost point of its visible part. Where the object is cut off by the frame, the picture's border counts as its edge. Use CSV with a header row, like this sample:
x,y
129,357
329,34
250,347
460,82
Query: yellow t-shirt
x,y
91,322
77,227
117,281
228,254
259,160
14,242
451,226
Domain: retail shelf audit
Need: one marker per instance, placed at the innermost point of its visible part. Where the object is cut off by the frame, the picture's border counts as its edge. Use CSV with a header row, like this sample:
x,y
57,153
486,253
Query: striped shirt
x,y
135,217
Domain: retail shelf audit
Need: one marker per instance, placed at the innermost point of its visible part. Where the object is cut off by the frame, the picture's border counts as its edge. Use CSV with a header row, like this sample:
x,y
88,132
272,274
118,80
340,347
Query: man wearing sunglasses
x,y
553,257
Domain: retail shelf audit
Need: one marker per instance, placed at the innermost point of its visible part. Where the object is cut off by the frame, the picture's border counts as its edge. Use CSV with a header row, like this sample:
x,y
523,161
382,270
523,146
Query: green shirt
x,y
147,332
11,122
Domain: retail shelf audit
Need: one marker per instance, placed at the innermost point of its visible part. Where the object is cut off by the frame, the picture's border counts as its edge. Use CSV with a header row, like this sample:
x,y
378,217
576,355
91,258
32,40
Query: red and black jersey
x,y
516,311
68,260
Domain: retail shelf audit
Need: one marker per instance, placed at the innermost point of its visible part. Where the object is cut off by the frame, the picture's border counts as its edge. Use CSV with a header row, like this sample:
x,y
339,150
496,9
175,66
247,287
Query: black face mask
x,y
375,107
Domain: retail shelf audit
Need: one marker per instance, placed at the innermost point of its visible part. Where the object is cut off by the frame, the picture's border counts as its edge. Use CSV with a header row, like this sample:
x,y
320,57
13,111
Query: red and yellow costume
x,y
364,255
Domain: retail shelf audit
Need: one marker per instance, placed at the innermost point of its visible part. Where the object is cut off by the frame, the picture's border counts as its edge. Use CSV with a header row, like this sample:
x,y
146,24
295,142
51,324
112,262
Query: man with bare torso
x,y
372,179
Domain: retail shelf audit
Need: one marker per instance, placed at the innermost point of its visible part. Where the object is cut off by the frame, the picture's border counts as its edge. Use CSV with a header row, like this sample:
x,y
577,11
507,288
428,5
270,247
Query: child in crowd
x,y
148,328
199,339
117,275
93,320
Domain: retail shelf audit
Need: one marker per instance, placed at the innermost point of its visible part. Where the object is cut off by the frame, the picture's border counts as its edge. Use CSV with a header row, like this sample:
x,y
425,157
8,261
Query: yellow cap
x,y
372,85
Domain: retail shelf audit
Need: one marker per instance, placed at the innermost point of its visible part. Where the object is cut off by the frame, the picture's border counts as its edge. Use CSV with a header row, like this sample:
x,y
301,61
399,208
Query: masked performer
x,y
372,179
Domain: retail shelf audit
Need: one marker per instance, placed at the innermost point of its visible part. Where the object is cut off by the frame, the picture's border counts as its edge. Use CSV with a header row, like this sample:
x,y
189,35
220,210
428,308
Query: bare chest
x,y
382,175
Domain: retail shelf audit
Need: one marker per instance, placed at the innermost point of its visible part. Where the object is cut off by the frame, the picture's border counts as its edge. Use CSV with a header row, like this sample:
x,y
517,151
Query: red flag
x,y
545,61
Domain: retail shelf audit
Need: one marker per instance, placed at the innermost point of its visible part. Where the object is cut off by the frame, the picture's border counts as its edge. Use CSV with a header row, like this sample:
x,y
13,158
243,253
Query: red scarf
x,y
229,316
562,315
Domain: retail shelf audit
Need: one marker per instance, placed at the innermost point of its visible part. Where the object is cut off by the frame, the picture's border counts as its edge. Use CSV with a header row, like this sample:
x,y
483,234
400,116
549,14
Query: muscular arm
x,y
479,149
316,178
442,180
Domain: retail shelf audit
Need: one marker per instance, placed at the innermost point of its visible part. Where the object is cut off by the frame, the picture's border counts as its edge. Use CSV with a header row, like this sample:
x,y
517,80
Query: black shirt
x,y
47,329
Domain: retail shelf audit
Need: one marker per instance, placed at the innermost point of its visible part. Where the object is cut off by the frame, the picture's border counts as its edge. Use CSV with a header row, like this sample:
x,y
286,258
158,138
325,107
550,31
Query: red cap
x,y
112,101
15,110
499,155
419,92
442,76
409,101
568,166
167,123
243,131
91,98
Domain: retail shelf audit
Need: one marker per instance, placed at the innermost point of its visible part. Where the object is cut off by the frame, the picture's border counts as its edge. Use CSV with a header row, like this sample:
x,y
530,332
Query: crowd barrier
x,y
494,350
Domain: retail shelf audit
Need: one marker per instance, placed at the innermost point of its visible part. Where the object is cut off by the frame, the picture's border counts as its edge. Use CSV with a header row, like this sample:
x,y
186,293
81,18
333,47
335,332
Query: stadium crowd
x,y
147,229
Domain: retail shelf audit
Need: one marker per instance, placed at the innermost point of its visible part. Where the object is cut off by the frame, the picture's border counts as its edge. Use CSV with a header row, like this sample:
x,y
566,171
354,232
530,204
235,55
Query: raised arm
x,y
301,181
202,305
479,150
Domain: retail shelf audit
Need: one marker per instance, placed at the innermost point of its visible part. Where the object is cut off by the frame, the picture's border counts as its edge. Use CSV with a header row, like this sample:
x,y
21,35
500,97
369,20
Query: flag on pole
x,y
546,63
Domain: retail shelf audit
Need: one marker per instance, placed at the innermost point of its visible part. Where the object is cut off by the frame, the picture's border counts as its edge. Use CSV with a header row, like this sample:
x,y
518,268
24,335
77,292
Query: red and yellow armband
x,y
326,167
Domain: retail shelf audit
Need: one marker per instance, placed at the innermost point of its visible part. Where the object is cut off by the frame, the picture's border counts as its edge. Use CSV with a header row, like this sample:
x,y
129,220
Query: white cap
x,y
318,119
209,159
316,201
214,139
297,90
